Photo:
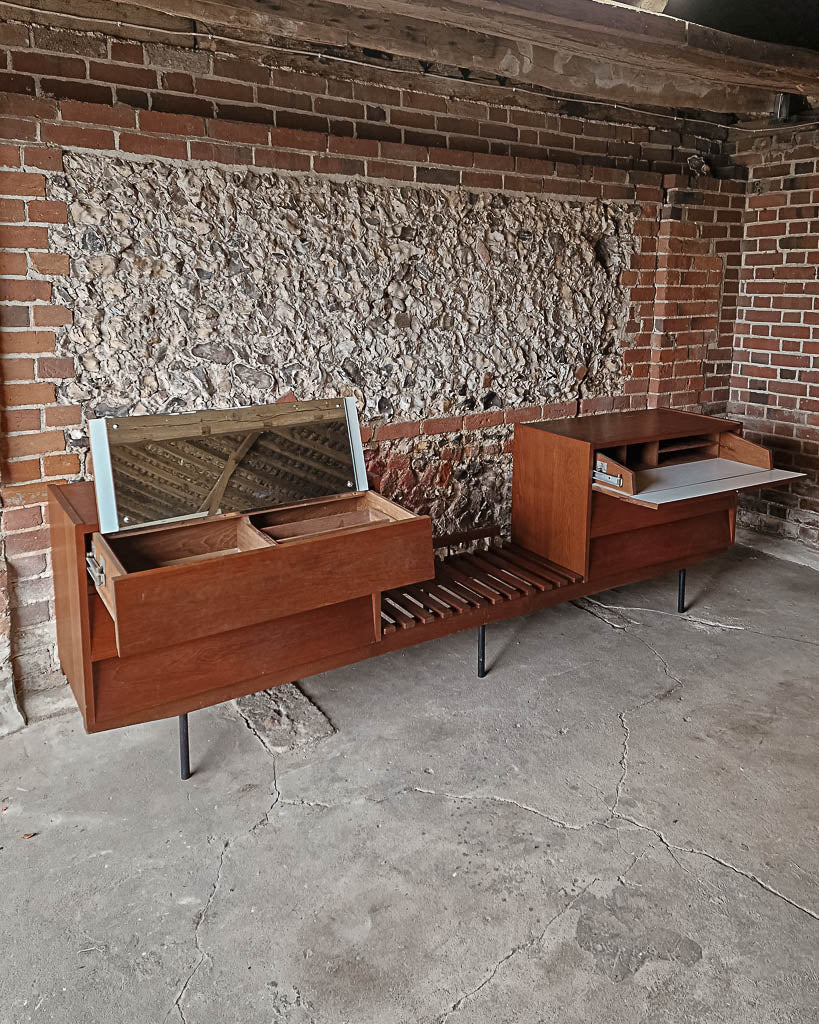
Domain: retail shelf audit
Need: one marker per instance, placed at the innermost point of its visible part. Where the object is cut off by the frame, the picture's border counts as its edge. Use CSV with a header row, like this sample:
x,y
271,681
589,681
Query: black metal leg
x,y
184,749
681,591
481,651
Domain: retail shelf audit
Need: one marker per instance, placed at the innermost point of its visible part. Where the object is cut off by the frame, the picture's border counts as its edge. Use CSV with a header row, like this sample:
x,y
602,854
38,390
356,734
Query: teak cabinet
x,y
605,494
184,615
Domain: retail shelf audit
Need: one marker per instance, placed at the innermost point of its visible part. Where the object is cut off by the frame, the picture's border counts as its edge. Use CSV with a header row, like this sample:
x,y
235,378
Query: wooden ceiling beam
x,y
589,49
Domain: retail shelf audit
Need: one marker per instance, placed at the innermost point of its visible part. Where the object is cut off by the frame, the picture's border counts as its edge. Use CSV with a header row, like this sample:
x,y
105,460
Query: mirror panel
x,y
153,469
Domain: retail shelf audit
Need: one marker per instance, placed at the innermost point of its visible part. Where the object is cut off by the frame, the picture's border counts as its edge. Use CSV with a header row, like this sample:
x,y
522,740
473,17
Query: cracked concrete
x,y
618,823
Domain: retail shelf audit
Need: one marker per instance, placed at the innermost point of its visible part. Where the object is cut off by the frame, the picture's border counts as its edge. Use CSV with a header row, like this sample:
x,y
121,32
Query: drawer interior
x,y
179,545
283,525
669,451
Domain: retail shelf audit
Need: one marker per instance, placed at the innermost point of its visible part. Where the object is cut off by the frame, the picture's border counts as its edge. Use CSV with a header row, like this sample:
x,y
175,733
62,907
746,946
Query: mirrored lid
x,y
154,469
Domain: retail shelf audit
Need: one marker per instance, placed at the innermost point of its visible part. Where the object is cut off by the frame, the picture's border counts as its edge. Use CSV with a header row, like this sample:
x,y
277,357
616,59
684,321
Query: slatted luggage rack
x,y
465,583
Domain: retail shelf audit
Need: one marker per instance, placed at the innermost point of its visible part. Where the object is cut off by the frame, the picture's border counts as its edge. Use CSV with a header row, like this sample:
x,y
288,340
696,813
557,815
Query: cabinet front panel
x,y
140,688
685,540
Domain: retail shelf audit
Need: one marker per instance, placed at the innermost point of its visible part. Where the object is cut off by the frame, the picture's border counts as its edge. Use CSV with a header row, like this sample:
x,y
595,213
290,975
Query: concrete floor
x,y
619,823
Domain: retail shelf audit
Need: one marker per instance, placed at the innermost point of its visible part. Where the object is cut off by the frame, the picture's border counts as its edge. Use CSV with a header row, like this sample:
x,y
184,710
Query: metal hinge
x,y
95,570
607,478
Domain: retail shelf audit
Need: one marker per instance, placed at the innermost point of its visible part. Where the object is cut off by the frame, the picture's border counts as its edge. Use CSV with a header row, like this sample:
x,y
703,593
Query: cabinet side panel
x,y
70,602
551,496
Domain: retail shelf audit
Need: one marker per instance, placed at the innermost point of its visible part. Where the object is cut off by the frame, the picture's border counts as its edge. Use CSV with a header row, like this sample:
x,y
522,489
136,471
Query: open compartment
x,y
191,542
344,512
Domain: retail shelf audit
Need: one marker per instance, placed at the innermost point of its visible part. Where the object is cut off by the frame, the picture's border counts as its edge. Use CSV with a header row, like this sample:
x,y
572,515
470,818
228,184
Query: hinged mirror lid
x,y
155,469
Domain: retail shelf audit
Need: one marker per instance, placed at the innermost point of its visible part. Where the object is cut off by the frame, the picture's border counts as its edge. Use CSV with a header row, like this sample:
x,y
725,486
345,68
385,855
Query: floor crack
x,y
513,952
695,851
201,954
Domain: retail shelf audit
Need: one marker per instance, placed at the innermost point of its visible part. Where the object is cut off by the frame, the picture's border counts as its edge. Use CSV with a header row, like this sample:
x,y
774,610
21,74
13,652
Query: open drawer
x,y
170,584
680,469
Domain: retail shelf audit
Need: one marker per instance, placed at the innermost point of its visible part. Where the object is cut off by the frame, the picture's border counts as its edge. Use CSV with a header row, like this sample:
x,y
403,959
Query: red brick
x,y
63,415
15,316
423,101
437,176
24,84
29,540
390,171
28,106
376,94
352,147
127,53
283,161
450,157
27,394
442,425
291,138
150,145
171,124
481,179
26,341
243,70
13,35
88,92
20,419
298,82
55,367
25,237
17,130
221,154
9,156
61,465
238,131
176,81
223,90
399,151
47,159
19,445
337,165
141,78
13,290
118,116
55,264
12,263
47,211
51,316
12,211
83,138
394,431
18,183
18,369
478,420
338,108
44,64
20,472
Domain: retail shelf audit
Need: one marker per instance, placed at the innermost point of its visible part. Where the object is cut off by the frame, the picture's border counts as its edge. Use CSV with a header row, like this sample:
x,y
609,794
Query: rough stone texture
x,y
11,718
462,481
616,825
283,718
196,287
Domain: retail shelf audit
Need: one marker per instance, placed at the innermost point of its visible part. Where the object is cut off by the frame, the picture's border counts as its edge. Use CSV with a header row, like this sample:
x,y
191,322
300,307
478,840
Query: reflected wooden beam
x,y
211,502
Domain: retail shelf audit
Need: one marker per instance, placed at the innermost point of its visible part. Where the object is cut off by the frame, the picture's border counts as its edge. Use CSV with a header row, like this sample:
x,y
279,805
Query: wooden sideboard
x,y
181,616
625,491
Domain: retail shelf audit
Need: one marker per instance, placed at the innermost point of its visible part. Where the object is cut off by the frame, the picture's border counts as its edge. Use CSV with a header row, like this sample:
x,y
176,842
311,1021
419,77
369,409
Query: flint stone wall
x,y
199,287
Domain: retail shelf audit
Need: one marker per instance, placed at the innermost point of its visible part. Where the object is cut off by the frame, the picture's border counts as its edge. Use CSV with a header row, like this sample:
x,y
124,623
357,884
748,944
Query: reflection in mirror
x,y
164,468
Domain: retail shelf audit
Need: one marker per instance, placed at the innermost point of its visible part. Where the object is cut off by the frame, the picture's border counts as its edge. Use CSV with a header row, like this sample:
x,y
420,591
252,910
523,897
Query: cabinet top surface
x,y
631,427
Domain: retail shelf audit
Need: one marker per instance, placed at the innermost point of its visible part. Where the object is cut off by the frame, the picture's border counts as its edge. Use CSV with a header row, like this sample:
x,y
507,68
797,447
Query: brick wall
x,y
775,376
67,90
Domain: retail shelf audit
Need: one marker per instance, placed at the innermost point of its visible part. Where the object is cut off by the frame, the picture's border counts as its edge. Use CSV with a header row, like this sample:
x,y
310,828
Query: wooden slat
x,y
396,612
420,594
536,572
439,594
559,573
418,611
446,578
502,573
510,566
494,597
484,576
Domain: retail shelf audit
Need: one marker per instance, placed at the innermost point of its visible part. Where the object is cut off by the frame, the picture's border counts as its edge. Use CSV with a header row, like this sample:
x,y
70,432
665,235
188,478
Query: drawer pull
x,y
95,570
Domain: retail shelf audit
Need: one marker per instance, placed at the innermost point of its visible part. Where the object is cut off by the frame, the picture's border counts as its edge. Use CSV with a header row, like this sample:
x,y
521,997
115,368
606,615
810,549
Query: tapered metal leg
x,y
681,591
481,651
184,749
